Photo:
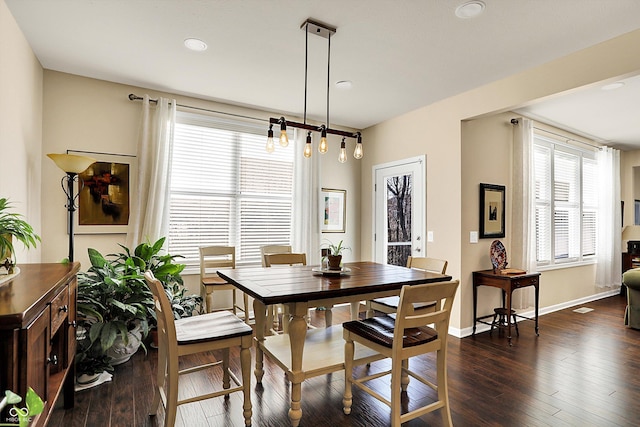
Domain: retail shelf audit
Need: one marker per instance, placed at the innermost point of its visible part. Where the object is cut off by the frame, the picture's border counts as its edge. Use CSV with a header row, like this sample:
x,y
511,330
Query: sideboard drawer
x,y
59,309
524,282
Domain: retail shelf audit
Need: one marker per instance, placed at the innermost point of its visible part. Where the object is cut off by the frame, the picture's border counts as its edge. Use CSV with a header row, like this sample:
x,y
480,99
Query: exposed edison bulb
x,y
270,146
284,139
307,147
323,147
342,157
357,153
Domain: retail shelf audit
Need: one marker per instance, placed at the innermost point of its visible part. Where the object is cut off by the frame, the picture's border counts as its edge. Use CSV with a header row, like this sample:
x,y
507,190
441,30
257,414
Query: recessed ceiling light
x,y
344,84
195,44
470,9
612,86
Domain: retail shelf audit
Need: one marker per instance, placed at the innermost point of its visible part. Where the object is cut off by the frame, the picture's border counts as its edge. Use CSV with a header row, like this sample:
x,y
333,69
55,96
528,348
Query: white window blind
x,y
566,202
226,189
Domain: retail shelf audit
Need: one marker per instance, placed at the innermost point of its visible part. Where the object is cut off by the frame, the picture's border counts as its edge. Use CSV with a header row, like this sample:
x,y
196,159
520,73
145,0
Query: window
x,y
566,202
226,189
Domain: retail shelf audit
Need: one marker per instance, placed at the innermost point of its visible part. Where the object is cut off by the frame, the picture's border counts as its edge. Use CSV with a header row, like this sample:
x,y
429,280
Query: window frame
x,y
554,145
239,129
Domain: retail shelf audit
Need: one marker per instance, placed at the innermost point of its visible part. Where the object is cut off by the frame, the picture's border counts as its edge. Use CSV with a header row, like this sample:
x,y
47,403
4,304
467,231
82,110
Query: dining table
x,y
305,353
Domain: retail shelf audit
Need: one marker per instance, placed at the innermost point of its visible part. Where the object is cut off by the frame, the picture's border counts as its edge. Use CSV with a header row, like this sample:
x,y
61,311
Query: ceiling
x,y
399,55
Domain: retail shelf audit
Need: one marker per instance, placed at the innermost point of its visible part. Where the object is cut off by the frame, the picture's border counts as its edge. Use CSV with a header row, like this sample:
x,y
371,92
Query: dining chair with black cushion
x,y
399,337
390,304
217,331
213,258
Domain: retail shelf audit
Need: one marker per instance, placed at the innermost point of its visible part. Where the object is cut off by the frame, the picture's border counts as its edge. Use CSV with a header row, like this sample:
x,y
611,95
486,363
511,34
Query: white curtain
x,y
523,233
608,273
150,214
305,224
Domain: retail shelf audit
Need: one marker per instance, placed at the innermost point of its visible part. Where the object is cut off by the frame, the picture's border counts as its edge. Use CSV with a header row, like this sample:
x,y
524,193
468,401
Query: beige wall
x,y
20,127
435,130
94,115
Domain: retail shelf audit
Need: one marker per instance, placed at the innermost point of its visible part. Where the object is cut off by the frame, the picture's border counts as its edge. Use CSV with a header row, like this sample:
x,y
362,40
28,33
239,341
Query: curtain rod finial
x,y
514,121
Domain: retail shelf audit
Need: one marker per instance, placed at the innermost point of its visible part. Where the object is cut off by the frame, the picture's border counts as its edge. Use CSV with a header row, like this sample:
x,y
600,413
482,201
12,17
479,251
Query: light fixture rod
x,y
318,28
314,128
306,61
328,73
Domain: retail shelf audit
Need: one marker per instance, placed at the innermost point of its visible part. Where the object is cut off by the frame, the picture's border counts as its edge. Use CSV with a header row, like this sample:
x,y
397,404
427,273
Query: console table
x,y
508,283
38,334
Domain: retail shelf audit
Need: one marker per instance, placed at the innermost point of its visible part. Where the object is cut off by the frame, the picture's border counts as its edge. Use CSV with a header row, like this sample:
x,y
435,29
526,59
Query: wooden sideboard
x,y
38,334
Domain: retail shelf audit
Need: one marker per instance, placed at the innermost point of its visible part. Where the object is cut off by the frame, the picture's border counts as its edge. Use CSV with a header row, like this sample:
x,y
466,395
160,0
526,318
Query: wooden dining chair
x,y
197,334
273,310
294,259
401,337
211,259
389,305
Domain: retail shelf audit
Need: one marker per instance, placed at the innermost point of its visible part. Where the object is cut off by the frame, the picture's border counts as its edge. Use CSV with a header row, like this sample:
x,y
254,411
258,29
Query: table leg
x,y
260,313
297,335
475,307
355,309
509,314
537,290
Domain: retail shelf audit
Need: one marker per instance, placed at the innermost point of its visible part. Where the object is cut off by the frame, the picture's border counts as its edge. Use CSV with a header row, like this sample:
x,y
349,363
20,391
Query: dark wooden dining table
x,y
301,353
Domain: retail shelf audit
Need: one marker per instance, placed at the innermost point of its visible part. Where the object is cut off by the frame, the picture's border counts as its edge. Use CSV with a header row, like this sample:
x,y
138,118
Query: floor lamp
x,y
72,165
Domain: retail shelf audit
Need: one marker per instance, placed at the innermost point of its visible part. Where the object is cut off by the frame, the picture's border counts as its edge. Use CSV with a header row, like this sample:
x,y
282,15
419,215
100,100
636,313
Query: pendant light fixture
x,y
326,31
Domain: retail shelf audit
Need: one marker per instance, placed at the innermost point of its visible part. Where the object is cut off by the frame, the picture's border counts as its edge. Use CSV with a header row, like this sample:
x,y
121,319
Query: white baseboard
x,y
481,327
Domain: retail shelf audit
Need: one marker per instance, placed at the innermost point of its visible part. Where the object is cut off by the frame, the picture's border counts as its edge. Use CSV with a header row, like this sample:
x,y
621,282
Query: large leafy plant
x,y
113,297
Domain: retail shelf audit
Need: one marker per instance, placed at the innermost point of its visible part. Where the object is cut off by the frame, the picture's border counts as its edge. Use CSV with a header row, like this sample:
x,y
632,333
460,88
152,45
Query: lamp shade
x,y
72,163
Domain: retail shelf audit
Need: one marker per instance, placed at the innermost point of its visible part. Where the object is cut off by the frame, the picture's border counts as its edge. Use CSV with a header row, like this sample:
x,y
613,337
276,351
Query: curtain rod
x,y
515,122
134,97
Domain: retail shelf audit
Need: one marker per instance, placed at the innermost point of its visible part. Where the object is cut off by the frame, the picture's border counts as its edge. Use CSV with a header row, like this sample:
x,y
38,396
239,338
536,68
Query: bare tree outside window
x,y
399,192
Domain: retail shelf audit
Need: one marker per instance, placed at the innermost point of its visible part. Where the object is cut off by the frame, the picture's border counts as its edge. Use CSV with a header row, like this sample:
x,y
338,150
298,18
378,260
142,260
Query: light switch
x,y
429,236
473,237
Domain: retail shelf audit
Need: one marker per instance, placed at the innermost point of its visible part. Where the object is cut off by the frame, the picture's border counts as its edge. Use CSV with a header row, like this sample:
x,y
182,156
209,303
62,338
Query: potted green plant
x,y
116,305
334,257
12,225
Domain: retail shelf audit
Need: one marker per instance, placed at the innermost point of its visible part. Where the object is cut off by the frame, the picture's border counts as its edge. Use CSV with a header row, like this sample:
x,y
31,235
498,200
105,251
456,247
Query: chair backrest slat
x,y
443,293
285,259
215,257
164,313
428,264
273,249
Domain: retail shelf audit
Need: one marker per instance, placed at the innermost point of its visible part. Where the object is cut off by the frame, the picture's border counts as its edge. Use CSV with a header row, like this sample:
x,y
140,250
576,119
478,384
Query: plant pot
x,y
121,352
88,378
334,262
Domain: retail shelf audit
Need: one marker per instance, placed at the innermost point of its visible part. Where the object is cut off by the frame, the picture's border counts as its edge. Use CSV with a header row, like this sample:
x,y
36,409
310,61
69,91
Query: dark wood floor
x,y
583,370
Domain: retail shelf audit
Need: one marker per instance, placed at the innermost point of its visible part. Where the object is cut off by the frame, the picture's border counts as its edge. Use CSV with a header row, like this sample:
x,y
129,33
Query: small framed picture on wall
x,y
492,203
333,210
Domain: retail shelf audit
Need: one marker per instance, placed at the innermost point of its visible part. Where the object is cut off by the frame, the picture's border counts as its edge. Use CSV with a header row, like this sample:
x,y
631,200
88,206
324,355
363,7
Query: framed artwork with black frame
x,y
492,203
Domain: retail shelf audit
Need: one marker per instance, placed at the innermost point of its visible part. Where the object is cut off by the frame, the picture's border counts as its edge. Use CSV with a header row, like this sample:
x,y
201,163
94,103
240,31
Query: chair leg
x,y
245,363
235,302
347,398
396,386
443,388
245,301
404,378
226,382
171,408
160,378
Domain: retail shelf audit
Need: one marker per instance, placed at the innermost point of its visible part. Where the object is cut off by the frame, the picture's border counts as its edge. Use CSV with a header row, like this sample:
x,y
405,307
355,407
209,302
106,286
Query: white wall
x,y
20,127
